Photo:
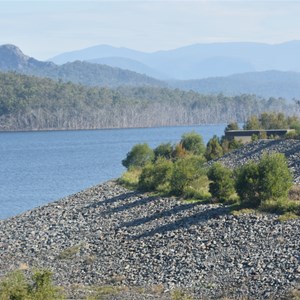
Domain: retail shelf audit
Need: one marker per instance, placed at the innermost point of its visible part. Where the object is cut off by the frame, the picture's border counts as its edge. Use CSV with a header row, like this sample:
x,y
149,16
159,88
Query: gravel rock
x,y
110,235
253,151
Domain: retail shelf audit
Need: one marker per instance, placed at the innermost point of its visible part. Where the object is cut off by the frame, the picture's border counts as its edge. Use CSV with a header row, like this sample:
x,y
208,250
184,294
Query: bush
x,y
130,178
193,143
16,287
157,176
222,185
247,184
138,156
186,171
275,179
270,179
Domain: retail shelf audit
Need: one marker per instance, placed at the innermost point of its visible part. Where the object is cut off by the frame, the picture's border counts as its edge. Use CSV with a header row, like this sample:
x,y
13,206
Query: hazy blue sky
x,y
43,29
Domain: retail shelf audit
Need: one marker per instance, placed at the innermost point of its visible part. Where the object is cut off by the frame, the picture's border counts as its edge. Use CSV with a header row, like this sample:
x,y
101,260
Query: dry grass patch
x,y
294,193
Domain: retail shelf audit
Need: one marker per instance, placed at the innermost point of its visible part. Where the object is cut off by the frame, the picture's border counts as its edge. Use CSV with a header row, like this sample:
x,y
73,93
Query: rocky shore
x,y
253,151
107,235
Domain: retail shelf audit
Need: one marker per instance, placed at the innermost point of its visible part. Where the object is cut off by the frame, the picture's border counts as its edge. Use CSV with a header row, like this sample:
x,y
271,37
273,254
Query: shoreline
x,y
108,128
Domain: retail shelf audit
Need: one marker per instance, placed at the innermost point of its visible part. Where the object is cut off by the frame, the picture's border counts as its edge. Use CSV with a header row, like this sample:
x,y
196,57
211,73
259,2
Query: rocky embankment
x,y
107,235
253,151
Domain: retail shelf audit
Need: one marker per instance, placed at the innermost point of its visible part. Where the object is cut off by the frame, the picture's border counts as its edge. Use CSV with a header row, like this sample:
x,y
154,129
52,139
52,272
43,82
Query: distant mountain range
x,y
13,59
195,61
111,69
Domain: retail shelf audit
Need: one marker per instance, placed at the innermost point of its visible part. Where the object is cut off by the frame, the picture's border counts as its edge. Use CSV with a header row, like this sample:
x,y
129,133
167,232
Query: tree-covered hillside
x,y
265,84
31,103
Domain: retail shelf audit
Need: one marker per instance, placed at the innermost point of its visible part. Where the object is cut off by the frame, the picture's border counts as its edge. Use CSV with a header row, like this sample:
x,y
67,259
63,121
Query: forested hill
x,y
265,84
12,59
31,103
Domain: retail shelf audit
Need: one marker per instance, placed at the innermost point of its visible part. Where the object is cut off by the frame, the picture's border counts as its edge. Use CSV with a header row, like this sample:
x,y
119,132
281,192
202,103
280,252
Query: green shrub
x,y
247,184
193,143
130,178
269,180
275,179
222,182
14,286
186,171
138,156
156,176
17,287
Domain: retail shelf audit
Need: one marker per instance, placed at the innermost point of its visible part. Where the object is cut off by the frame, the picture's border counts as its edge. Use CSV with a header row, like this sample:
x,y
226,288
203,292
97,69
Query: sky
x,y
43,29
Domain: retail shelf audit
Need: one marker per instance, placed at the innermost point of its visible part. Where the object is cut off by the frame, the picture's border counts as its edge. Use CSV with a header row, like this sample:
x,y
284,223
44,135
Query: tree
x,y
252,123
232,126
222,182
213,149
138,156
193,143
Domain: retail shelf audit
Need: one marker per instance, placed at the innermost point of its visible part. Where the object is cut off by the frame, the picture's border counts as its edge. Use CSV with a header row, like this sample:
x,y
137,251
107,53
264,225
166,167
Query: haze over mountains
x,y
13,59
198,61
228,68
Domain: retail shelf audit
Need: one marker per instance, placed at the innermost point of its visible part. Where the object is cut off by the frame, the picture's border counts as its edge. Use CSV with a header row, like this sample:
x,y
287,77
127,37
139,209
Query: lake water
x,y
39,167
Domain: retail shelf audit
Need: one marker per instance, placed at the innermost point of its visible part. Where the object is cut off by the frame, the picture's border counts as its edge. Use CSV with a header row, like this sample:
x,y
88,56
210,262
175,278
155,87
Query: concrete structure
x,y
245,136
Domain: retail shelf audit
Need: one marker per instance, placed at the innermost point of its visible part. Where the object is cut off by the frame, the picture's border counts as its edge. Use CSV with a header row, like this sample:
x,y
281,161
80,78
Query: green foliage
x,y
287,216
247,184
230,145
232,126
130,178
138,156
213,149
156,176
222,182
17,287
269,180
272,121
186,171
281,206
275,179
14,287
252,123
164,150
179,151
193,143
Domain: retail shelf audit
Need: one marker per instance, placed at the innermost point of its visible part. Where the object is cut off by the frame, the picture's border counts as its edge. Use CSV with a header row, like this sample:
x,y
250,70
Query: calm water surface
x,y
39,167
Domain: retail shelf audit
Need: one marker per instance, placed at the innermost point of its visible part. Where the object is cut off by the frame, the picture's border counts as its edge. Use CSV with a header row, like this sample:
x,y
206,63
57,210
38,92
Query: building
x,y
245,136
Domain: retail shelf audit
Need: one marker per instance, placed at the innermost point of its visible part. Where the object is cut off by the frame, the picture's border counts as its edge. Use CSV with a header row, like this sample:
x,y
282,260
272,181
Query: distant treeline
x,y
31,103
